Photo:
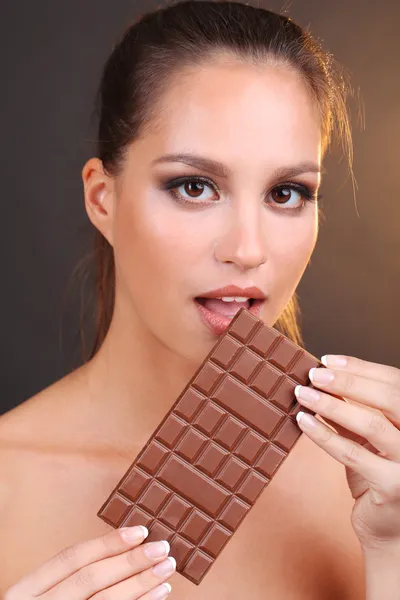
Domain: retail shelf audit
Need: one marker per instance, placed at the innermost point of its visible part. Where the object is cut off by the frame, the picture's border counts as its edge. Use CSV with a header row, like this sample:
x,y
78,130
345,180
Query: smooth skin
x,y
67,447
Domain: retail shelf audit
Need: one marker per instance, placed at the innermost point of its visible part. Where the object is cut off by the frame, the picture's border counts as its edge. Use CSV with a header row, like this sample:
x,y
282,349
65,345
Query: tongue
x,y
224,308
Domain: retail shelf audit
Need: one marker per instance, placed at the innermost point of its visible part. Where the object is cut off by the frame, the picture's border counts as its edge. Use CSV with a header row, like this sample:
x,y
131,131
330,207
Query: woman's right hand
x,y
112,567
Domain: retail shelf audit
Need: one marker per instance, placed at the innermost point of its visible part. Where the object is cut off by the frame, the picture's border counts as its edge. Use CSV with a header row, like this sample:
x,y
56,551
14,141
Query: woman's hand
x,y
112,567
371,410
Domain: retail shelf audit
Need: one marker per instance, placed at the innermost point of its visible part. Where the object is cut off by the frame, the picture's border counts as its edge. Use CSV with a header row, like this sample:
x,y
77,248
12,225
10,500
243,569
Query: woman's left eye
x,y
291,197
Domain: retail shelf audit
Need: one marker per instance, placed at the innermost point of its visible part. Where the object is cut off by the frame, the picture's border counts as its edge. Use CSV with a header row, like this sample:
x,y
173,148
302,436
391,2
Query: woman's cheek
x,y
291,259
302,241
152,247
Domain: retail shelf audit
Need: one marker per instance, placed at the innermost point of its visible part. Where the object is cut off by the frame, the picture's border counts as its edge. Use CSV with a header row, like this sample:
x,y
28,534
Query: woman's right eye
x,y
193,187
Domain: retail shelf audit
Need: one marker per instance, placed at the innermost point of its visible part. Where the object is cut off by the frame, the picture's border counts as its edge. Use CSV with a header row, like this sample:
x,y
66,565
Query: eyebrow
x,y
220,170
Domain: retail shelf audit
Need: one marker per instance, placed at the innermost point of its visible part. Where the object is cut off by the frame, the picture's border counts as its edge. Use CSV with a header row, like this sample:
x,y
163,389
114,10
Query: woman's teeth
x,y
233,299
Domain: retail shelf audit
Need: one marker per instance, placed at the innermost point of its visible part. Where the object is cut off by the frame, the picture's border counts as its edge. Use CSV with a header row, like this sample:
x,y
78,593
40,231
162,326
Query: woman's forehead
x,y
221,105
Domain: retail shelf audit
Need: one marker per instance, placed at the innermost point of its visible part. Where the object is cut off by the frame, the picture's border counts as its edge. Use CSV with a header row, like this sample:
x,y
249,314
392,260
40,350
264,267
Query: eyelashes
x,y
304,192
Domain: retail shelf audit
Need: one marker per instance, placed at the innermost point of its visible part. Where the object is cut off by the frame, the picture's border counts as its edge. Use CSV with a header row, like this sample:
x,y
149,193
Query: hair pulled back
x,y
158,47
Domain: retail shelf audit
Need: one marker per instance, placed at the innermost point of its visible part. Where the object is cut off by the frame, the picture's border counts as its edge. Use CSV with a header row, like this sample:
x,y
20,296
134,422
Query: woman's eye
x,y
289,197
192,190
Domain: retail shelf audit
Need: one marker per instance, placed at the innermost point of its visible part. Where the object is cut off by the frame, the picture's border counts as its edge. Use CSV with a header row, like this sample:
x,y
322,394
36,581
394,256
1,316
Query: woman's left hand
x,y
371,410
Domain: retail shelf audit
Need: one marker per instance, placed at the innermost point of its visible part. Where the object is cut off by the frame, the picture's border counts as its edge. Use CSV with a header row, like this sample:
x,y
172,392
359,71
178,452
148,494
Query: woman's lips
x,y
219,323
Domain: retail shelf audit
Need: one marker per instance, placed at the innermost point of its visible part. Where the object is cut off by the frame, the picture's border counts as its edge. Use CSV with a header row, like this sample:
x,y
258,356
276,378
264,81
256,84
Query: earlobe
x,y
99,197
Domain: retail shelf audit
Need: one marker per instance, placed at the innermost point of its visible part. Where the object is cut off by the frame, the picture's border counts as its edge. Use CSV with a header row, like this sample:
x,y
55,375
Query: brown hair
x,y
156,48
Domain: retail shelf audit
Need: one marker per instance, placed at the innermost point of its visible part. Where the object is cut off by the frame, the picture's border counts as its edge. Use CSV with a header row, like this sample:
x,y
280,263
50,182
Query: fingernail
x,y
321,375
134,534
331,360
157,549
161,592
306,394
307,421
166,567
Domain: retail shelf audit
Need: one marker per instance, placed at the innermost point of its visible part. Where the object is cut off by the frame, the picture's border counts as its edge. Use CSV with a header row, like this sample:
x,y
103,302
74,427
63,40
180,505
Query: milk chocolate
x,y
218,447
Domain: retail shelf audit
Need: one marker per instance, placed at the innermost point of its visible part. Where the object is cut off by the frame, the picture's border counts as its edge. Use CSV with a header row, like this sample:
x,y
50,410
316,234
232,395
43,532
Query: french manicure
x,y
134,534
307,421
321,376
333,360
306,394
161,592
164,568
157,549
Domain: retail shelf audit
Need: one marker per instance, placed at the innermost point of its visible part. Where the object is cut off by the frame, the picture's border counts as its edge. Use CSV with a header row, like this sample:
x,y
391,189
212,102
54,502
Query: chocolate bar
x,y
218,447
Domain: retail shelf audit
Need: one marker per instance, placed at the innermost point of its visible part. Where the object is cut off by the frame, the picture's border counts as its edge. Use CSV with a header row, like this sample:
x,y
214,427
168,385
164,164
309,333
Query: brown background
x,y
52,53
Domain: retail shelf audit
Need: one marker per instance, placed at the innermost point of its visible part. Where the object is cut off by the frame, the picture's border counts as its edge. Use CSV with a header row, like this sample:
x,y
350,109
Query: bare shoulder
x,y
20,425
51,486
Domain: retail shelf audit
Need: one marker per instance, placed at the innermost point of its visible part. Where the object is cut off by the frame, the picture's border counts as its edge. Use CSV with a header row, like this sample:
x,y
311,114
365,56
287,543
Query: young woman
x,y
214,121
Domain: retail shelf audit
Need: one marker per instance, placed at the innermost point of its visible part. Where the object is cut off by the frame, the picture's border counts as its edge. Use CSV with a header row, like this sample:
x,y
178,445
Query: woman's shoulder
x,y
21,423
49,432
50,491
32,442
26,429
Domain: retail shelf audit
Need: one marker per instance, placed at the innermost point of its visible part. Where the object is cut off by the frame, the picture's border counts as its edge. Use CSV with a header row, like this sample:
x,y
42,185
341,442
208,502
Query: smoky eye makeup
x,y
196,186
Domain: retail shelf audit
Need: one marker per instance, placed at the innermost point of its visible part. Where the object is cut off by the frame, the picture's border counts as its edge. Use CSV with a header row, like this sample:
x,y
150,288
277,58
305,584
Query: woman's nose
x,y
244,242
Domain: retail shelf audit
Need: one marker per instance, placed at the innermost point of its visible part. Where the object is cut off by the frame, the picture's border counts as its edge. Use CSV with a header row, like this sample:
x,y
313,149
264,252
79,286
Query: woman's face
x,y
248,223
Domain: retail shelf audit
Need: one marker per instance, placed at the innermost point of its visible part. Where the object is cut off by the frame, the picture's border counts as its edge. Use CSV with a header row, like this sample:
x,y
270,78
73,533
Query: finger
x,y
139,585
343,431
369,370
370,425
159,593
73,558
351,436
375,469
105,573
373,393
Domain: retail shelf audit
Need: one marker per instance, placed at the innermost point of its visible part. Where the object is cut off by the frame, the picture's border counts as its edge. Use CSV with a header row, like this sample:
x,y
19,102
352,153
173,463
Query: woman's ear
x,y
99,191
